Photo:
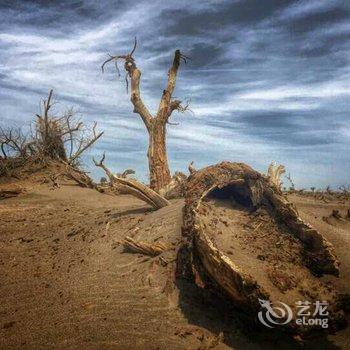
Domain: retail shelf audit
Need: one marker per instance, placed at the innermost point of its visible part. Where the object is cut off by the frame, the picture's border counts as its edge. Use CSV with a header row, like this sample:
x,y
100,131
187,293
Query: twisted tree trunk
x,y
155,124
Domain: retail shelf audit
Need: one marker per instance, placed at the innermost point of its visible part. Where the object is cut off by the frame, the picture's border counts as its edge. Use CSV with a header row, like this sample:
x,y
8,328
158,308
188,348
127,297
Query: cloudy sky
x,y
268,80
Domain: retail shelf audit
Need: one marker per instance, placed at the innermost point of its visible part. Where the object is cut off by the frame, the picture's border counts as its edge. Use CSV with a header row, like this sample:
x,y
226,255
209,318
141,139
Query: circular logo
x,y
273,315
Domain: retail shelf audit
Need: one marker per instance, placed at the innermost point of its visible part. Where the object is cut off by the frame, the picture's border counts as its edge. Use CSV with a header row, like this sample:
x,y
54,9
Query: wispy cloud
x,y
267,80
302,9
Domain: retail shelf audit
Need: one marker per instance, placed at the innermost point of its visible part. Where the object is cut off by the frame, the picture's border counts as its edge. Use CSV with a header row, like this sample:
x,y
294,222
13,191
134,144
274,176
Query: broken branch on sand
x,y
133,187
120,185
143,247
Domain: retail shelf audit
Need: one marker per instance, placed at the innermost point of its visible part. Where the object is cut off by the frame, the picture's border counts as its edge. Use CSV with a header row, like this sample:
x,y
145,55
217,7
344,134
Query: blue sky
x,y
267,80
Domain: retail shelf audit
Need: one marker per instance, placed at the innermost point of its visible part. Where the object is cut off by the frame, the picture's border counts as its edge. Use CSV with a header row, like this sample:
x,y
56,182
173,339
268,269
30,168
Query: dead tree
x,y
63,138
155,124
292,185
50,133
13,143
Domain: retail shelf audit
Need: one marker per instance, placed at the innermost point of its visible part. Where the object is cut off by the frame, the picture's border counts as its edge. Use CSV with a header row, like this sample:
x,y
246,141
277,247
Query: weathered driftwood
x,y
133,187
143,247
274,174
242,289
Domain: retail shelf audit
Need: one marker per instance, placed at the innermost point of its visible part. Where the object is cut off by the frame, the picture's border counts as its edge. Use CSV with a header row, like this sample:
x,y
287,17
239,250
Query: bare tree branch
x,y
143,247
165,109
126,172
133,187
13,141
139,106
135,74
88,143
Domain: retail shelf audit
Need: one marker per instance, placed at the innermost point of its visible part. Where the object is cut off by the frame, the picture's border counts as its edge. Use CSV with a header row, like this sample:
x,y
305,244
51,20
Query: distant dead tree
x,y
155,124
191,168
292,185
63,137
14,142
345,189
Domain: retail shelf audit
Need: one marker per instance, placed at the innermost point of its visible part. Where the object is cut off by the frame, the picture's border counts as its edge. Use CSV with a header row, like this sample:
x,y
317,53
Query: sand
x,y
66,281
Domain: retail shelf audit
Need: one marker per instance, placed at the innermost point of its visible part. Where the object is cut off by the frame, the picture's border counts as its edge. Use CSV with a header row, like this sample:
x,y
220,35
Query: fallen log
x,y
248,242
117,185
81,177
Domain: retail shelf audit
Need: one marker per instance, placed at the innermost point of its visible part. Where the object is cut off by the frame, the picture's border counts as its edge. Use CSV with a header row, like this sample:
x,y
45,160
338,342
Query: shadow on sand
x,y
215,313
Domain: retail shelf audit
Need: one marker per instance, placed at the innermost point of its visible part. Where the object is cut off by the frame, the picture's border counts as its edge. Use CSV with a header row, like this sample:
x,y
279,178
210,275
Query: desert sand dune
x,y
66,281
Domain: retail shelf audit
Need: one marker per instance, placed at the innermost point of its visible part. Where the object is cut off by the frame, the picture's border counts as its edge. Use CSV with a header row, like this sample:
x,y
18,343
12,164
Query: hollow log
x,y
320,252
206,262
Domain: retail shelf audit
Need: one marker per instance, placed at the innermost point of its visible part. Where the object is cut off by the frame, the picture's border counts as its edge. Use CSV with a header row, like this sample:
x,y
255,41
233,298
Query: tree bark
x,y
157,157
